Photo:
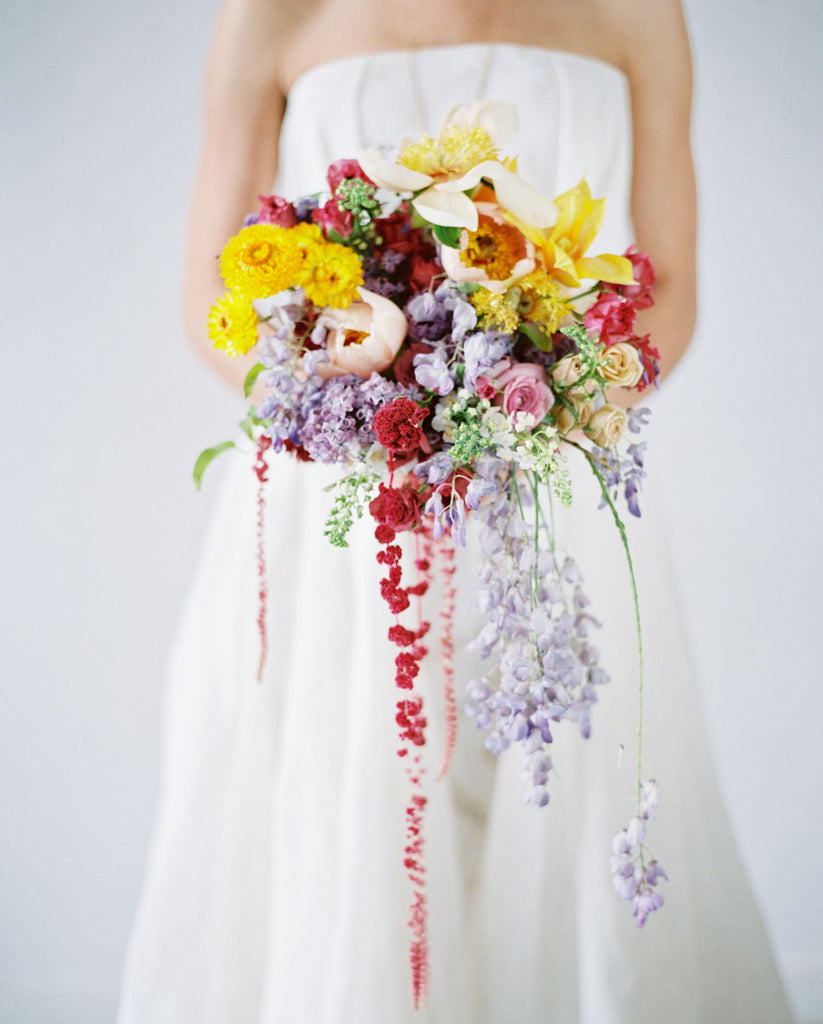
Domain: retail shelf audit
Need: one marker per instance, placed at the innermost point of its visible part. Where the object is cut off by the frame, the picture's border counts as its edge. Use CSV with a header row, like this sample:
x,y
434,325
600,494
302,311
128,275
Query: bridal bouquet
x,y
435,327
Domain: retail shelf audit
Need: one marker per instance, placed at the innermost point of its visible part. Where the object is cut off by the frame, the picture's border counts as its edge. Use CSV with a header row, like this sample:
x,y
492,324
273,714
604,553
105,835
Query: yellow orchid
x,y
440,171
563,248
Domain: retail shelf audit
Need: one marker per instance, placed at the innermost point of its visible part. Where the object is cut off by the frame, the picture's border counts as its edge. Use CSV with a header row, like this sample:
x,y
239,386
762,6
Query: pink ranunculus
x,y
367,336
612,318
640,294
525,389
485,388
331,218
276,210
340,170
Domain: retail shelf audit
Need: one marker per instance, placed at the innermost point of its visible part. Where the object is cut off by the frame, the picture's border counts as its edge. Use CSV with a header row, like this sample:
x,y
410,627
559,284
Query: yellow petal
x,y
607,267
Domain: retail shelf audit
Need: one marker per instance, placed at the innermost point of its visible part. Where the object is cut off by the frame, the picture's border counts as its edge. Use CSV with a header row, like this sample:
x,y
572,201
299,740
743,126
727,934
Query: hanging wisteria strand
x,y
544,668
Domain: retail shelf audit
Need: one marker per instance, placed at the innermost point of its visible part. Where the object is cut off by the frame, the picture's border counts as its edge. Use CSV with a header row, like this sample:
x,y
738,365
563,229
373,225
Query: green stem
x,y
625,540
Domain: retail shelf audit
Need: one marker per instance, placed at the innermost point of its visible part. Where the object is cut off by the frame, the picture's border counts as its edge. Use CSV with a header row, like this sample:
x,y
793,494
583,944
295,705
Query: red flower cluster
x,y
397,425
397,507
412,725
420,265
614,314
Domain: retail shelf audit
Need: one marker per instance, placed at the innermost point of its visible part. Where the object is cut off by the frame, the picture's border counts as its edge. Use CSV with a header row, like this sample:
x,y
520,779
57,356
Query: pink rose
x,y
611,318
525,389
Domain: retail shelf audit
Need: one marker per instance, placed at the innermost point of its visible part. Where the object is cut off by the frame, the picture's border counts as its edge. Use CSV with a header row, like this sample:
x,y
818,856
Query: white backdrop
x,y
104,408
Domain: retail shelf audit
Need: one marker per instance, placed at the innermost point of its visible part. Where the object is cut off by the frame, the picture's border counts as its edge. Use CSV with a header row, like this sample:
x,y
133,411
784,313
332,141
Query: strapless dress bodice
x,y
573,110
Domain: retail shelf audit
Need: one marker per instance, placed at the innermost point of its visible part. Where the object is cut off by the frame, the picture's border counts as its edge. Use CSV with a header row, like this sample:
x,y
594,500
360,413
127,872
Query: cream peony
x,y
441,170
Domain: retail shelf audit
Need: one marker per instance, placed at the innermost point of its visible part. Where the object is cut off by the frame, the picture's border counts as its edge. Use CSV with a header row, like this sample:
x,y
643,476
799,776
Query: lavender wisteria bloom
x,y
450,515
626,468
481,353
634,875
546,669
431,371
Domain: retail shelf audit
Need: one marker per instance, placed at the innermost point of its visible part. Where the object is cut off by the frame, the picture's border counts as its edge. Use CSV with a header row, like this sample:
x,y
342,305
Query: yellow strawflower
x,y
232,324
331,274
261,260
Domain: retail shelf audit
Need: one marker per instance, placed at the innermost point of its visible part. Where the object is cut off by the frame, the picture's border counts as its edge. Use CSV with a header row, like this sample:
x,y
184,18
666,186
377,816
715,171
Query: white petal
x,y
389,174
450,209
486,169
523,200
513,193
498,118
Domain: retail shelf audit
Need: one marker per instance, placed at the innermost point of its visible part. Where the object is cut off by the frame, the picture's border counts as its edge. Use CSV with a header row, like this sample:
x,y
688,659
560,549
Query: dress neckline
x,y
552,54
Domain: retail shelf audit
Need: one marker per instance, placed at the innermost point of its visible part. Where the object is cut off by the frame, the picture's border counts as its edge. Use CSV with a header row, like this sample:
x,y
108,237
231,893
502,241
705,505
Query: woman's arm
x,y
658,63
243,111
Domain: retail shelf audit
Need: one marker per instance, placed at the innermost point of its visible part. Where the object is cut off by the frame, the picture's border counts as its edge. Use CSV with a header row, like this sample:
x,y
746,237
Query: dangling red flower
x,y
397,425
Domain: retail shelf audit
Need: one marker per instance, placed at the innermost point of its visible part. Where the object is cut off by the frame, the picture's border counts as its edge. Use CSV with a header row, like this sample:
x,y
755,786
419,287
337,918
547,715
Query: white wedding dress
x,y
276,892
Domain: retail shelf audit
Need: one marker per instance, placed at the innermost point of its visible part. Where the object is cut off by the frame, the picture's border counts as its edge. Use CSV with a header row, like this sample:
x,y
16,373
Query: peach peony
x,y
367,336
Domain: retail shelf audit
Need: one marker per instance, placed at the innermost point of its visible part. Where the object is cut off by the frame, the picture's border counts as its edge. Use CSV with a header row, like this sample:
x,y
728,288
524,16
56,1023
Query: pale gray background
x,y
104,408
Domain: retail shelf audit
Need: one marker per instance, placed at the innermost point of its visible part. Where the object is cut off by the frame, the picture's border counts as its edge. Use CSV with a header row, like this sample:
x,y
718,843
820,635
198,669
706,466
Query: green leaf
x,y
251,378
448,236
536,337
206,457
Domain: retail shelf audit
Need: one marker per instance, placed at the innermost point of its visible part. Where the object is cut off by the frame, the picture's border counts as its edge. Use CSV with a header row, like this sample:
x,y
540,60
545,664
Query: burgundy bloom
x,y
650,357
403,366
397,507
397,425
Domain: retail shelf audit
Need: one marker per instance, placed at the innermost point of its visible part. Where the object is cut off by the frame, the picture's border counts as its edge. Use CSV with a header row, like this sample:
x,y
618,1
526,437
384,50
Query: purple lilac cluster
x,y
634,877
329,420
538,626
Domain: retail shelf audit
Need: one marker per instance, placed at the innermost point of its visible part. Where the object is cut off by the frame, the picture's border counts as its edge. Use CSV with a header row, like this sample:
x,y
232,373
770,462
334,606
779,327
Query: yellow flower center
x,y
352,337
494,311
495,248
454,152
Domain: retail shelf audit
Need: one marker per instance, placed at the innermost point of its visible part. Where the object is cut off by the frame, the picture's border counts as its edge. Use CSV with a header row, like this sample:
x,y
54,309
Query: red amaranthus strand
x,y
261,471
412,725
445,551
